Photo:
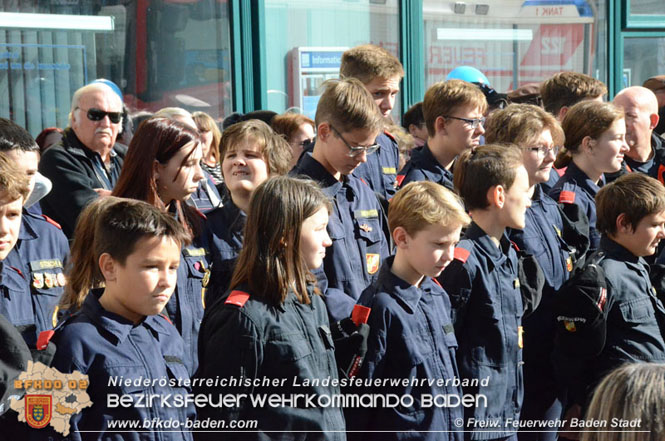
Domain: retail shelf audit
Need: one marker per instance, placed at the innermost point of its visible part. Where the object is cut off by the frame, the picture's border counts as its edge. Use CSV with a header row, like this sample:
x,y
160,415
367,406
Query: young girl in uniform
x,y
163,169
274,324
595,144
115,332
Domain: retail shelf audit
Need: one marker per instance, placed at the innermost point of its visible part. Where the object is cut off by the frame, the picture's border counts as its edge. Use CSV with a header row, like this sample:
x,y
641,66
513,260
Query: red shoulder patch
x,y
51,221
400,179
461,254
200,213
166,317
661,173
389,135
44,338
514,245
238,298
567,197
437,282
364,182
18,271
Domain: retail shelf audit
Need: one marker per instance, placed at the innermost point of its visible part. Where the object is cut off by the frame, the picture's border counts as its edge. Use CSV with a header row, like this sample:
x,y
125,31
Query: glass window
x,y
642,58
159,52
647,7
514,42
305,41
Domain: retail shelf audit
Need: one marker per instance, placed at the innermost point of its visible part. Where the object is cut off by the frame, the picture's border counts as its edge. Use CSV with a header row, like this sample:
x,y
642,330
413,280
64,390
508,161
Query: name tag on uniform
x,y
389,171
194,252
37,265
516,283
366,213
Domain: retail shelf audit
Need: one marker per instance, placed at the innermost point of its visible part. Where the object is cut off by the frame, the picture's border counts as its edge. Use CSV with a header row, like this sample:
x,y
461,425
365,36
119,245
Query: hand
x,y
102,192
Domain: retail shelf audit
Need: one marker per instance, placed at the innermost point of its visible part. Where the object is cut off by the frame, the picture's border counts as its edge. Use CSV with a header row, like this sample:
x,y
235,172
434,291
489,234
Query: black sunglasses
x,y
98,115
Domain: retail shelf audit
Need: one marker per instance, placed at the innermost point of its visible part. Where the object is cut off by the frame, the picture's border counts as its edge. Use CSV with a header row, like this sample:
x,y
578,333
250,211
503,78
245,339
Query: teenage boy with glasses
x,y
87,162
454,116
347,122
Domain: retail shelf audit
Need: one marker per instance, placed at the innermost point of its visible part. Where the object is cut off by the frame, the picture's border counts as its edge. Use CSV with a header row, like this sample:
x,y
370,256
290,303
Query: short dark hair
x,y
566,89
494,164
414,116
635,195
15,137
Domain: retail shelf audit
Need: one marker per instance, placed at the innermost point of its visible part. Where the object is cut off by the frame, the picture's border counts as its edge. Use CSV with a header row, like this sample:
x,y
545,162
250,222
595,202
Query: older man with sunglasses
x,y
87,162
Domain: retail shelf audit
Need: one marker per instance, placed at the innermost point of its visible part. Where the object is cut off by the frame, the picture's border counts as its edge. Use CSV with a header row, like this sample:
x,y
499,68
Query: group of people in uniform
x,y
349,276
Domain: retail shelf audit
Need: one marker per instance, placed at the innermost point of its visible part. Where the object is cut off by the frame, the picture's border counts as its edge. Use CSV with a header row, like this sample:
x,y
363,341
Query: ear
x,y
155,169
439,124
401,238
412,129
496,196
562,113
108,266
323,131
587,143
653,119
622,224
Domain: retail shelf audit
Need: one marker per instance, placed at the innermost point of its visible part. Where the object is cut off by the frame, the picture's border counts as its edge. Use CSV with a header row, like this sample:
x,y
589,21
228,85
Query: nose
x,y
362,156
624,147
239,160
661,232
480,130
4,226
198,173
448,254
326,240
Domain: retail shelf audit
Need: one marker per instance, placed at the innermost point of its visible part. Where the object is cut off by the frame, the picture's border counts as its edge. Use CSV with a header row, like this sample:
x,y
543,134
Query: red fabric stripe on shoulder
x,y
51,221
238,298
400,179
461,254
567,197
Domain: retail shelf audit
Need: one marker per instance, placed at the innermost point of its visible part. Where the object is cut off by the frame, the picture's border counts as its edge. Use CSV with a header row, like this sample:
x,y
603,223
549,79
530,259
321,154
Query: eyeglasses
x,y
98,115
544,150
473,122
355,151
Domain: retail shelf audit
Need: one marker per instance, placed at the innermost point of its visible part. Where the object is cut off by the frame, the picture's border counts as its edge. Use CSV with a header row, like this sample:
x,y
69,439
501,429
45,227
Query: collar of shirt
x,y
618,252
115,324
27,231
428,158
482,239
406,294
318,172
10,276
291,299
583,180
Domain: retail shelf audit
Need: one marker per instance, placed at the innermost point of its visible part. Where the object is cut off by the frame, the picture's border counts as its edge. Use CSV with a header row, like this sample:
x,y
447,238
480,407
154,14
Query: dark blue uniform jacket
x,y
482,283
224,229
575,187
358,244
423,166
106,347
245,338
411,337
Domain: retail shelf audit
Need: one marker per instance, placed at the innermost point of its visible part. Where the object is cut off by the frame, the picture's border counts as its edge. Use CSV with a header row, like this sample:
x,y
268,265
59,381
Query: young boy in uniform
x,y
483,285
41,247
631,219
380,72
411,334
347,122
454,119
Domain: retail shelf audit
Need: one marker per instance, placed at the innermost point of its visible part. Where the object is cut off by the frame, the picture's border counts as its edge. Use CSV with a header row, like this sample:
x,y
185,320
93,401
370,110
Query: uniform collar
x,y
429,158
234,217
475,233
115,324
10,276
583,180
27,231
318,172
617,251
407,295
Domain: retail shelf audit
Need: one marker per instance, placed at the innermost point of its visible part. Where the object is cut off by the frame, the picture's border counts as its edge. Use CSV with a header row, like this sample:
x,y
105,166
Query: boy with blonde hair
x,y
380,72
411,334
453,112
347,122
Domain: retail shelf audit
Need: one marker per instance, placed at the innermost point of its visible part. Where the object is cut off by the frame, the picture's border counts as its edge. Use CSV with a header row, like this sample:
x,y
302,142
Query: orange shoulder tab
x,y
567,197
44,338
200,213
436,281
389,135
238,298
661,173
51,221
514,245
461,254
400,179
166,317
